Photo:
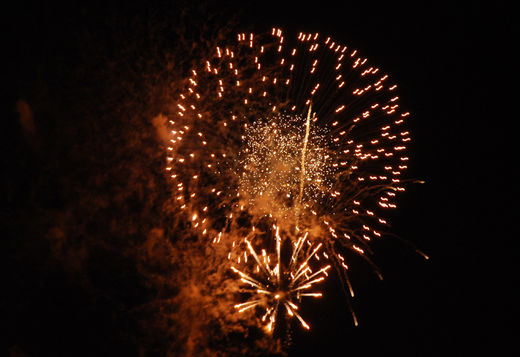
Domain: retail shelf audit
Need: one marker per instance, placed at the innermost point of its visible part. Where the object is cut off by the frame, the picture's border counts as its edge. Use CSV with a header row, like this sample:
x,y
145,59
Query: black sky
x,y
451,62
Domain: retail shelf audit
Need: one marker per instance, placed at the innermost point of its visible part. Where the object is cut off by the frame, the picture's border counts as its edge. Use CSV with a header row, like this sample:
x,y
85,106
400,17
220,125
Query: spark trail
x,y
304,151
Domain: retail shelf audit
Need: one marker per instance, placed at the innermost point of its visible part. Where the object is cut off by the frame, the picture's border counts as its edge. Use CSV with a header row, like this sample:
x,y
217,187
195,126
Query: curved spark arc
x,y
278,286
236,157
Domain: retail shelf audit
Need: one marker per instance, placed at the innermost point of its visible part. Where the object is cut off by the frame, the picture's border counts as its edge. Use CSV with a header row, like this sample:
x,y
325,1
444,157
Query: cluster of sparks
x,y
302,136
271,166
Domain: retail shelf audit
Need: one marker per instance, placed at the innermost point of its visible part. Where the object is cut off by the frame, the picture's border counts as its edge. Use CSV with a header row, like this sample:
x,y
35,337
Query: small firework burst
x,y
277,284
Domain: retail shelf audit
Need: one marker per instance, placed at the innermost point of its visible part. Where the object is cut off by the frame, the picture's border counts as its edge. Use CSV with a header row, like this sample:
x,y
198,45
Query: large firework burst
x,y
302,134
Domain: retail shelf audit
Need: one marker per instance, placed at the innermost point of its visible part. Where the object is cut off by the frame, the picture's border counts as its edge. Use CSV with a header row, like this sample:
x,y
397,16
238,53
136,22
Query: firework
x,y
284,283
302,134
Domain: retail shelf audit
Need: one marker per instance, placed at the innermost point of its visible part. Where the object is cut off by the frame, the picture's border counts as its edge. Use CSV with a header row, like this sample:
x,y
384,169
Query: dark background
x,y
454,67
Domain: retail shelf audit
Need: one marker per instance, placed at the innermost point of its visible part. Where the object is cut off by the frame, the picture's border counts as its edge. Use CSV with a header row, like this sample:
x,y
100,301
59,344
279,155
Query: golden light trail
x,y
303,172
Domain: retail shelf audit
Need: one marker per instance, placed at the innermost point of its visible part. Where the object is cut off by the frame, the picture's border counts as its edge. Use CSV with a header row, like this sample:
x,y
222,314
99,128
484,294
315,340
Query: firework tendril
x,y
287,142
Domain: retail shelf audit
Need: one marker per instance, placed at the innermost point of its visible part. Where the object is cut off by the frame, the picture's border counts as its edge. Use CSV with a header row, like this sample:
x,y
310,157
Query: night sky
x,y
84,183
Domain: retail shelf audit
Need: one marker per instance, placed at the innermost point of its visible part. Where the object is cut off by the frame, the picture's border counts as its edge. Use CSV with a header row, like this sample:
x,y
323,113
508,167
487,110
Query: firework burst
x,y
282,284
302,134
